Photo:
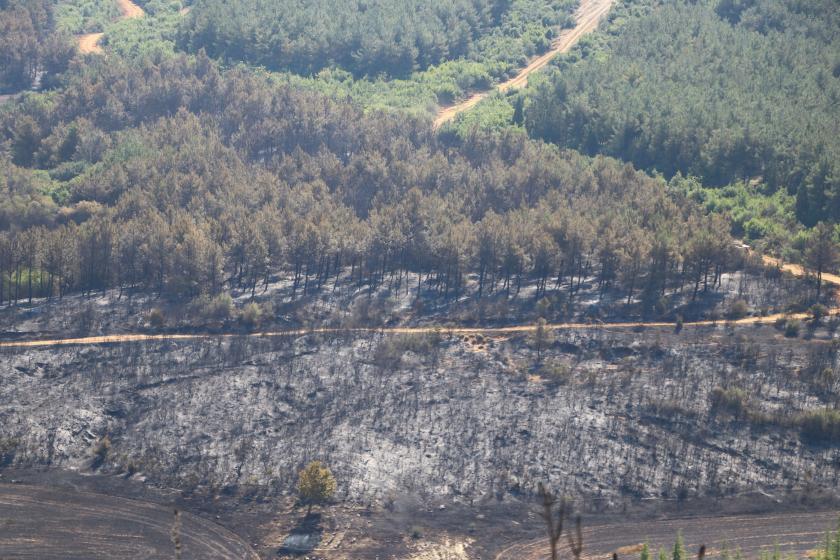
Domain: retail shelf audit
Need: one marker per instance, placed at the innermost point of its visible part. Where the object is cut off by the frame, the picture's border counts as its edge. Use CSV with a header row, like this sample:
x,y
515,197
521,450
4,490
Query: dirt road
x,y
45,524
89,43
795,534
489,331
130,10
794,269
587,17
798,270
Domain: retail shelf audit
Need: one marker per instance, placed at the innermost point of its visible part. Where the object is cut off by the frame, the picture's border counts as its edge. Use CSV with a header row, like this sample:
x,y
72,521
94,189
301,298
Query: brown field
x,y
795,533
41,523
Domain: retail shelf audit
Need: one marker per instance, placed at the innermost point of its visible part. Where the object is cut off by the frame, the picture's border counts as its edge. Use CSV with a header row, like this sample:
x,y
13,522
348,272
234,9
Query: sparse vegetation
x,y
542,337
157,319
734,402
738,309
821,426
251,316
831,548
101,452
792,327
217,308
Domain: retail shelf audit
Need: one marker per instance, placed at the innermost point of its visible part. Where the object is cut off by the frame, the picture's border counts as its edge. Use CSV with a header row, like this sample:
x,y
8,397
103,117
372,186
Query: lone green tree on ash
x,y
316,485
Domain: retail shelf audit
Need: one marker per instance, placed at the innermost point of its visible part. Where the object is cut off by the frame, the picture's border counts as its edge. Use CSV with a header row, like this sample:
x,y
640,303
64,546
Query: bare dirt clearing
x,y
588,16
130,10
89,43
794,533
44,523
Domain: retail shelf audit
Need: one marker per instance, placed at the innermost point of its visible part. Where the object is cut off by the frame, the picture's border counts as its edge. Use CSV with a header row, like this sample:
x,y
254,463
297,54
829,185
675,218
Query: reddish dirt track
x,y
39,523
588,16
89,43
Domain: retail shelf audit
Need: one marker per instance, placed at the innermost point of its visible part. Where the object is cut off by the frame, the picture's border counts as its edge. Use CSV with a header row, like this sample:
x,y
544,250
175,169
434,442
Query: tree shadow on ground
x,y
304,537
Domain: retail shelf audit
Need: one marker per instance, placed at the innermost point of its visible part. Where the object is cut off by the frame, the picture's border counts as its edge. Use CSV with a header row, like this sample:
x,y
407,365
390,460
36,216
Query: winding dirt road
x,y
588,16
89,43
47,524
795,534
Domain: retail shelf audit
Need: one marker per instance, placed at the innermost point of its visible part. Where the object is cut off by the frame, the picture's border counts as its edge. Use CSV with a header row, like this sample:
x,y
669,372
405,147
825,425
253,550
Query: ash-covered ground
x,y
647,420
605,416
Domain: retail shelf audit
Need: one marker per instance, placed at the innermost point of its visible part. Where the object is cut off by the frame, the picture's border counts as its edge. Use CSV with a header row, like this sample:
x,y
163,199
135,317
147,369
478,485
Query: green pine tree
x,y
645,552
679,548
835,548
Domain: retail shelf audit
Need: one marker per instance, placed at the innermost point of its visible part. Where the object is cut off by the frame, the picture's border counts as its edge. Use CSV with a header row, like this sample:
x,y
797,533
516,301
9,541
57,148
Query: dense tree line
x,y
85,16
371,37
173,178
31,50
724,90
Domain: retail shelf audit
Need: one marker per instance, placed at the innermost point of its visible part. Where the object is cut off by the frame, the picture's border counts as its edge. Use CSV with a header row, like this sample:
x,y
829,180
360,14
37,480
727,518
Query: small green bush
x,y
818,312
734,402
820,426
219,308
251,315
738,310
156,318
792,328
556,373
101,452
389,351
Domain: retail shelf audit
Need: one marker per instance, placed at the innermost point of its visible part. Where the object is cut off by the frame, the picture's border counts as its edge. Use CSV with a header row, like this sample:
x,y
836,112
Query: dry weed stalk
x,y
176,534
554,514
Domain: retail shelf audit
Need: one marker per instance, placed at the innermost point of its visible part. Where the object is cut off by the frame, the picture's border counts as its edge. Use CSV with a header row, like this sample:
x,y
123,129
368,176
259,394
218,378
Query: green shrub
x,y
820,426
738,310
390,350
818,311
792,328
556,373
87,319
251,315
156,318
219,308
831,547
734,402
101,452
